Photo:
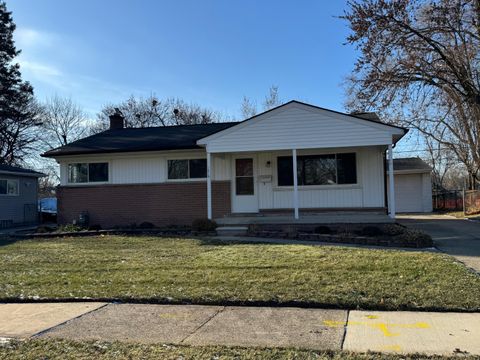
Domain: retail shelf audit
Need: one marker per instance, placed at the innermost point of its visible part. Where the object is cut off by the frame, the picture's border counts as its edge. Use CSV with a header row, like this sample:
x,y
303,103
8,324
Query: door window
x,y
244,181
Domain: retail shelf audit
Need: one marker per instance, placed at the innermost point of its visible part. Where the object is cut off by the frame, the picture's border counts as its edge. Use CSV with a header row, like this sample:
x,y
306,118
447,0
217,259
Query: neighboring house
x,y
18,196
413,185
173,175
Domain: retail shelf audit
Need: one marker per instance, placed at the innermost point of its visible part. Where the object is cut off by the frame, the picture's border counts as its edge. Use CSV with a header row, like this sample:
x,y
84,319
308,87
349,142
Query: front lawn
x,y
188,270
64,349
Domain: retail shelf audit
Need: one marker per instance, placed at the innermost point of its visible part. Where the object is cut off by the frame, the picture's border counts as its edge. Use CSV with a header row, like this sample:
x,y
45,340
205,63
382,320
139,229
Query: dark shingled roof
x,y
141,139
367,116
410,164
19,170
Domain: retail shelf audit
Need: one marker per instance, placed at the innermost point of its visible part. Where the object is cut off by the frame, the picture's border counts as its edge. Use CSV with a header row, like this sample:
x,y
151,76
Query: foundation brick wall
x,y
161,204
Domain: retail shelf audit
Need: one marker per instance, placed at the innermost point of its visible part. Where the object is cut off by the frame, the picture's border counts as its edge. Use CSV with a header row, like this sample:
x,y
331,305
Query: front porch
x,y
299,156
311,186
330,217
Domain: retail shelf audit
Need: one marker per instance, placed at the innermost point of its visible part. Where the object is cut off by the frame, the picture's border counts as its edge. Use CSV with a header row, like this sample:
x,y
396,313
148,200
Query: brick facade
x,y
161,204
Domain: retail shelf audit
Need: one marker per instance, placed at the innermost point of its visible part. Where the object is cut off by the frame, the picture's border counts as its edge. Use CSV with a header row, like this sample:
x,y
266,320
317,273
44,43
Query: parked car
x,y
47,208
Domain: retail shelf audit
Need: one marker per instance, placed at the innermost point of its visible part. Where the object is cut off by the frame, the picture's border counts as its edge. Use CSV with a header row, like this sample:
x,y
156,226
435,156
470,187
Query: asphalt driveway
x,y
457,237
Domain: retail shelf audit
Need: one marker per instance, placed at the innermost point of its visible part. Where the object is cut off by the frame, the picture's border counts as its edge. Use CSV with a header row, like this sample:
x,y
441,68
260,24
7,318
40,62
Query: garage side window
x,y
79,173
8,187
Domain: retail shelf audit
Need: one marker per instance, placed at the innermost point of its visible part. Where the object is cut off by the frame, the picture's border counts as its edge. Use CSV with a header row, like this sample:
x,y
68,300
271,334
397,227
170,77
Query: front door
x,y
244,185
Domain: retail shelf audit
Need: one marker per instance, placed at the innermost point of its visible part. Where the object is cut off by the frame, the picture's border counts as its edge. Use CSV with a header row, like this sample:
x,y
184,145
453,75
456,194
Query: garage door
x,y
408,193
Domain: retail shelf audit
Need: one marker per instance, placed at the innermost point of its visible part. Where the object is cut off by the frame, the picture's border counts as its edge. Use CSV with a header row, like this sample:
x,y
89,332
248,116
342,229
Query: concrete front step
x,y
232,230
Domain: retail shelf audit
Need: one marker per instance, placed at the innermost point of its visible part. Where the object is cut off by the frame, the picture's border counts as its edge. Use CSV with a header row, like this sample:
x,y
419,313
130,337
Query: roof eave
x,y
411,171
25,174
118,151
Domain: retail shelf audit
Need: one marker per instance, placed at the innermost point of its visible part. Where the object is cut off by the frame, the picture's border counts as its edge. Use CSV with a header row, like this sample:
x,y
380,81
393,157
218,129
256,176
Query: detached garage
x,y
413,185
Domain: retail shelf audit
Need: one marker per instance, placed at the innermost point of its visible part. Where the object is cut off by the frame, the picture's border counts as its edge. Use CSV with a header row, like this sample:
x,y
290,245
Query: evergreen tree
x,y
17,106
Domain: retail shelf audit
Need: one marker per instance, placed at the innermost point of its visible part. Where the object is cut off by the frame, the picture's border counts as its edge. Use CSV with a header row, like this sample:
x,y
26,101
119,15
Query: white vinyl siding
x,y
298,127
147,168
427,192
138,170
368,192
371,176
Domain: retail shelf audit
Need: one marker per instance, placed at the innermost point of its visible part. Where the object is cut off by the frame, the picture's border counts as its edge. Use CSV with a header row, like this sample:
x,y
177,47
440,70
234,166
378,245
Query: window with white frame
x,y
79,173
8,187
187,169
325,169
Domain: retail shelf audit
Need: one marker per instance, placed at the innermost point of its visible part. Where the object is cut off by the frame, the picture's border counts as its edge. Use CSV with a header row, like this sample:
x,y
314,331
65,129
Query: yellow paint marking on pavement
x,y
383,327
371,316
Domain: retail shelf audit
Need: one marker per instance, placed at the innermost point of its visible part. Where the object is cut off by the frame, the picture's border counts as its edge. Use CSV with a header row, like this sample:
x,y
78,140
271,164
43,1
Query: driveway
x,y
457,237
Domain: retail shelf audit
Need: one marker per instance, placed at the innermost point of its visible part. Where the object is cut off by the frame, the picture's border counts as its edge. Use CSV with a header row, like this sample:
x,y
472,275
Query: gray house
x,y
18,196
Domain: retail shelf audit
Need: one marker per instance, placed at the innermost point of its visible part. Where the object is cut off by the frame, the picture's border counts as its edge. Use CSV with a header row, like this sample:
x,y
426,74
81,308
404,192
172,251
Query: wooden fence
x,y
452,200
472,202
448,200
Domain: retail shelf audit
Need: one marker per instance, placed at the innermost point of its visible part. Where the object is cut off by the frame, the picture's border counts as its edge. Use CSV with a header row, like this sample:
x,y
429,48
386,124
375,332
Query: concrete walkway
x,y
457,237
399,332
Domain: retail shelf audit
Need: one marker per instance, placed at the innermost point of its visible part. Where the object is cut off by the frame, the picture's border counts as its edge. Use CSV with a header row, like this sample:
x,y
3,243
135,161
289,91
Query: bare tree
x,y
63,121
442,161
60,121
420,66
189,114
456,178
271,100
248,108
152,111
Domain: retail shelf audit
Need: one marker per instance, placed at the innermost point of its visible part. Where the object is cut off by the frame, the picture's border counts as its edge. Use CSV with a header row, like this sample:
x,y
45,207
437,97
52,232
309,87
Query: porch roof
x,y
296,125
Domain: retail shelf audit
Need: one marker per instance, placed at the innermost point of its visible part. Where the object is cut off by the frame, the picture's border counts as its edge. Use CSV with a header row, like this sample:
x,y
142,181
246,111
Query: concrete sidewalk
x,y
399,332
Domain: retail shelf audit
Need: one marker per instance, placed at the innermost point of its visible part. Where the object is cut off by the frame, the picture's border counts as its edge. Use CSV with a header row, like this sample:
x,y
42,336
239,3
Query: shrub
x,y
371,231
146,225
95,227
322,229
393,229
203,225
70,228
415,237
44,229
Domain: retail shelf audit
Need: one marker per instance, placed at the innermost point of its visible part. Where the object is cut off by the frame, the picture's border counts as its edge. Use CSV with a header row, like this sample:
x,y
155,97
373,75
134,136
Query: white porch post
x,y
391,195
295,183
209,186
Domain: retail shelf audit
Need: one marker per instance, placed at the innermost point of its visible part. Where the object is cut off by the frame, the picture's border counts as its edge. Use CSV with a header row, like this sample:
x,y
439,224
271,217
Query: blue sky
x,y
207,52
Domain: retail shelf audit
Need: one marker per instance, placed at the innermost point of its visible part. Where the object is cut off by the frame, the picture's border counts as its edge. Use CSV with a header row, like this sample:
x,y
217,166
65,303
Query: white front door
x,y
244,199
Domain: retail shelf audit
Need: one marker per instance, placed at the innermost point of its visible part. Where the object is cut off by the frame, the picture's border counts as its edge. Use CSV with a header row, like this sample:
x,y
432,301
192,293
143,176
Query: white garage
x,y
413,185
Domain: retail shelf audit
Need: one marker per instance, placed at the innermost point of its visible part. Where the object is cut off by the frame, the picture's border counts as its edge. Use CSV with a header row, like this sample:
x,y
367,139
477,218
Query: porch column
x,y
209,186
295,183
391,195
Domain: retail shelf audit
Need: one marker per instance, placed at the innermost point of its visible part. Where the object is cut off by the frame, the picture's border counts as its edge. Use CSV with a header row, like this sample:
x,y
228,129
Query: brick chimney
x,y
116,120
